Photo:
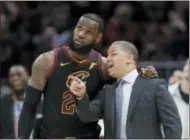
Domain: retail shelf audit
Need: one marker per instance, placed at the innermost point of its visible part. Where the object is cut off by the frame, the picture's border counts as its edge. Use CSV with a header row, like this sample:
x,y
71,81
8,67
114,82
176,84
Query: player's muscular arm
x,y
40,70
36,84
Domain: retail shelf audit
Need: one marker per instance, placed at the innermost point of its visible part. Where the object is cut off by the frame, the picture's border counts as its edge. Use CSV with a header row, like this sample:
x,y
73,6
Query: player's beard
x,y
83,49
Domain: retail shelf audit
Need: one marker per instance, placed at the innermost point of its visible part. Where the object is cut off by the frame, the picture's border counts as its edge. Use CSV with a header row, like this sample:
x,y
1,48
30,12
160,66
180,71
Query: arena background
x,y
160,30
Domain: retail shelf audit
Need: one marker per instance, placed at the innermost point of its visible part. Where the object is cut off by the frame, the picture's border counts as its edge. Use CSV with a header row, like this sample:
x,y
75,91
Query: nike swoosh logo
x,y
63,64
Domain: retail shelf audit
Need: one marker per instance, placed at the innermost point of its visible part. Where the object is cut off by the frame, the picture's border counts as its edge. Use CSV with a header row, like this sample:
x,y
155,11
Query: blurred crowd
x,y
159,29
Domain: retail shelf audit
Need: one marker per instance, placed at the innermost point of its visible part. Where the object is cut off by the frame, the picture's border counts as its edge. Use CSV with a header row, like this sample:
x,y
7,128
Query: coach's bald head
x,y
127,48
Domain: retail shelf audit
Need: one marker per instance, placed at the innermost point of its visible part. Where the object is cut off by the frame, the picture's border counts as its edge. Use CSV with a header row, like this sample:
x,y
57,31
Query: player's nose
x,y
108,58
81,34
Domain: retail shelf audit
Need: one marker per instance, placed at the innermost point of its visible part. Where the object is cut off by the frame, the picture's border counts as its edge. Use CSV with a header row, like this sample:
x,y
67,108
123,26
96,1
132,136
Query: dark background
x,y
160,30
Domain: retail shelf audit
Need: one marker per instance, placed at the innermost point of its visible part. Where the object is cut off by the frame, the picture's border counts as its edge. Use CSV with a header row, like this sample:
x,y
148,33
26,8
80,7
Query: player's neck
x,y
78,56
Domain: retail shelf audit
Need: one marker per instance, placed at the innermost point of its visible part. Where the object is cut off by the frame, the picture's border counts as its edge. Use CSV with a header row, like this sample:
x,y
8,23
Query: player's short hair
x,y
97,19
128,48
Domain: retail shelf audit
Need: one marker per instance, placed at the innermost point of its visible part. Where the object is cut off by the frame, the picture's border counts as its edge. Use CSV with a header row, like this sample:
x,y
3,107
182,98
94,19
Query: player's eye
x,y
89,32
79,28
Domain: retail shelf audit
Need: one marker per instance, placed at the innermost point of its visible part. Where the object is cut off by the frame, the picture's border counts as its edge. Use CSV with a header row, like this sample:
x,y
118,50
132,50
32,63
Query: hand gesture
x,y
149,72
77,87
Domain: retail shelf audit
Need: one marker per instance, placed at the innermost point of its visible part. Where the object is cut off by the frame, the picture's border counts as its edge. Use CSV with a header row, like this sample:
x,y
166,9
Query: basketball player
x,y
50,74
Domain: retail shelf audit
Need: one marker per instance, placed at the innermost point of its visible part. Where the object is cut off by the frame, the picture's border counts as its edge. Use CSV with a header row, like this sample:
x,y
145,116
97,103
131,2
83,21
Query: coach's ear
x,y
99,38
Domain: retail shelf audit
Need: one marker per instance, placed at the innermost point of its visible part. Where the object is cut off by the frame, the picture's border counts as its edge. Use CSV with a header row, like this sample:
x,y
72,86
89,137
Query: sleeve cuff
x,y
80,98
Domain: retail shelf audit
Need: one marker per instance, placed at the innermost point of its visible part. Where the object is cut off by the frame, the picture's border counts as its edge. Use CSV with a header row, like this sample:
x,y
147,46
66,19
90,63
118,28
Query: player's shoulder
x,y
97,52
102,58
44,61
49,54
46,56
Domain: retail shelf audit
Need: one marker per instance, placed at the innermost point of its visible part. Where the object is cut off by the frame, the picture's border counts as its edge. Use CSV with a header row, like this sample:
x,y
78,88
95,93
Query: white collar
x,y
131,76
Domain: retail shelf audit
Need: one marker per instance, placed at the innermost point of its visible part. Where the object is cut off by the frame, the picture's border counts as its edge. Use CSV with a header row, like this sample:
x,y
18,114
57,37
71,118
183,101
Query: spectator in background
x,y
156,40
61,16
63,23
179,46
11,104
57,28
47,41
121,26
9,54
154,10
4,87
27,20
176,77
50,39
180,92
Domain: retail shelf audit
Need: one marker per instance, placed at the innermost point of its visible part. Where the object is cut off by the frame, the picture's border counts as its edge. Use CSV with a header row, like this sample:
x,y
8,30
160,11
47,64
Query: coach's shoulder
x,y
159,82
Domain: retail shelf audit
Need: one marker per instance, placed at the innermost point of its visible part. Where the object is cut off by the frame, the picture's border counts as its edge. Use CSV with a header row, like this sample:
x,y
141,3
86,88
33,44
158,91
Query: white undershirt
x,y
17,110
127,90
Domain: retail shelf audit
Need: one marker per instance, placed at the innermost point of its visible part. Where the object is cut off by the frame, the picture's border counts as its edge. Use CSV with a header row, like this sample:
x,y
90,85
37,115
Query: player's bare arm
x,y
40,70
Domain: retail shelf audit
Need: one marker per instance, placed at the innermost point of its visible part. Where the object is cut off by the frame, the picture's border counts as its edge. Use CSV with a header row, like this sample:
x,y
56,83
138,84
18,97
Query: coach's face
x,y
118,61
86,33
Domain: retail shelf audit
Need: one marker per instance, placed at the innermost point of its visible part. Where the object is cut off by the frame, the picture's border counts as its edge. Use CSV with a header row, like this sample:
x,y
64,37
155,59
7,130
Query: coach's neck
x,y
127,69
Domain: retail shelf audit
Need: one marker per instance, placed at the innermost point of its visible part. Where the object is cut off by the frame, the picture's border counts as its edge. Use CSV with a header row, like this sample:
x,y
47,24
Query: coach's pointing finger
x,y
76,79
77,87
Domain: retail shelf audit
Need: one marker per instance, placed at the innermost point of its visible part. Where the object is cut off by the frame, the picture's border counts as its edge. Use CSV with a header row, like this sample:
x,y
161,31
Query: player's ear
x,y
99,38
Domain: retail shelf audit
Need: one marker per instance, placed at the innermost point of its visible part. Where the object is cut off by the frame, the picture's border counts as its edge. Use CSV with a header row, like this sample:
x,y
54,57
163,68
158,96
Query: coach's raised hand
x,y
77,87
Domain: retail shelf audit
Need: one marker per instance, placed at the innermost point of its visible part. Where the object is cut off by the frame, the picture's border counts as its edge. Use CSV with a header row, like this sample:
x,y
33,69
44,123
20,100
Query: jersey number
x,y
68,103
